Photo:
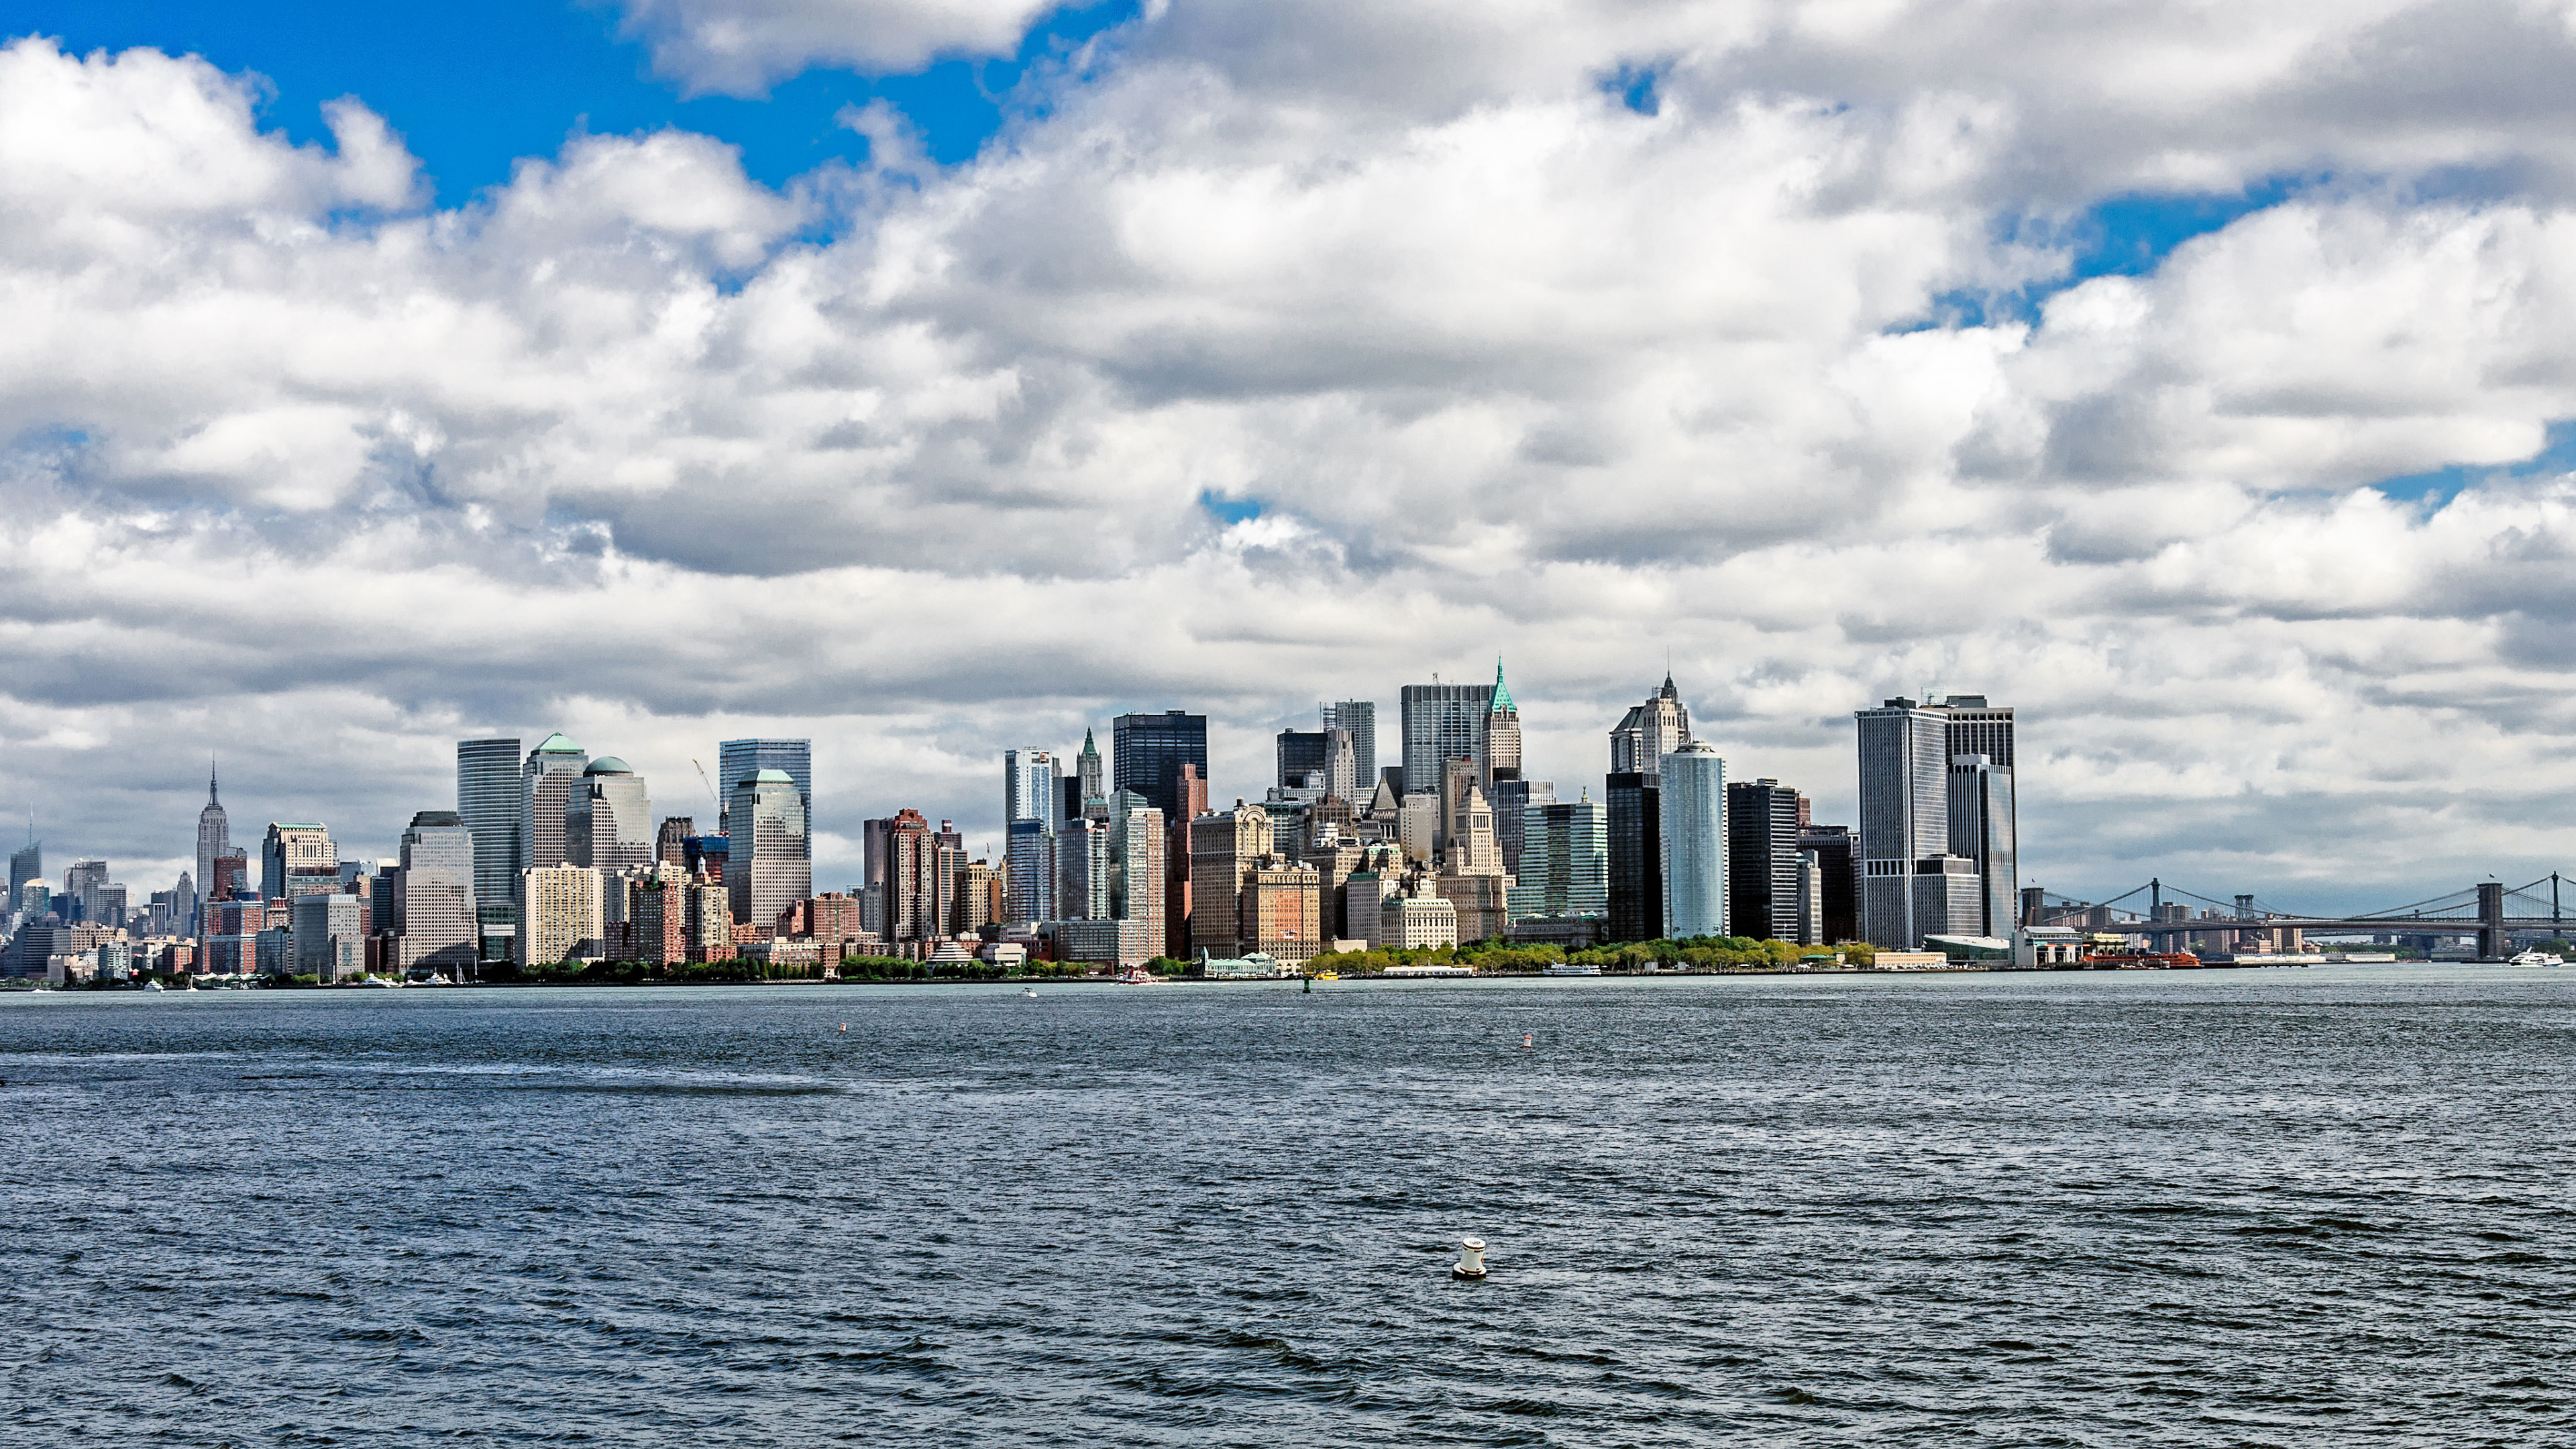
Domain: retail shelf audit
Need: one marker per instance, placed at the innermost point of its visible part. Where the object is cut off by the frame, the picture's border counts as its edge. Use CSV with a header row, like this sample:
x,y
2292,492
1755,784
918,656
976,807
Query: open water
x,y
2290,1207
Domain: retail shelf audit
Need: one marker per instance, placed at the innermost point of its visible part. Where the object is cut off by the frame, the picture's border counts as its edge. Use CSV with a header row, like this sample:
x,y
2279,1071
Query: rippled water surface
x,y
2283,1207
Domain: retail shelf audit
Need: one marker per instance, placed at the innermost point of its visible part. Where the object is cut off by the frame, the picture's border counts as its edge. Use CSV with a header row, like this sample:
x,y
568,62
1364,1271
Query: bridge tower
x,y
2491,921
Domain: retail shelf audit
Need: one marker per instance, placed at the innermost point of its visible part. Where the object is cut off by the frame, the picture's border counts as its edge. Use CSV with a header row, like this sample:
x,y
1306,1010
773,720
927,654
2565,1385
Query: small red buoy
x,y
1528,1040
845,1026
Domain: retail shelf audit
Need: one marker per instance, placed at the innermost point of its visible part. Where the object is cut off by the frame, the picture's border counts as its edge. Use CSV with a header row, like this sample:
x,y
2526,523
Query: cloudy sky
x,y
932,376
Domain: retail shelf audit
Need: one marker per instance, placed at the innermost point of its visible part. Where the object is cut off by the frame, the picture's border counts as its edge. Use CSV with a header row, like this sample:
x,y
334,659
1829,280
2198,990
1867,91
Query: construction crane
x,y
711,791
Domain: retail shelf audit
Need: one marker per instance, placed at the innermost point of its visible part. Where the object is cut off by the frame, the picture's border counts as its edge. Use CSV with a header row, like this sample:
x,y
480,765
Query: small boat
x,y
1030,992
1570,968
1138,976
153,986
1328,976
2536,958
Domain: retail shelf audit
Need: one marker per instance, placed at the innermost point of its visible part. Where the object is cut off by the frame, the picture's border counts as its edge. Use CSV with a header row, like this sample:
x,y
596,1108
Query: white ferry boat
x,y
2536,958
1571,968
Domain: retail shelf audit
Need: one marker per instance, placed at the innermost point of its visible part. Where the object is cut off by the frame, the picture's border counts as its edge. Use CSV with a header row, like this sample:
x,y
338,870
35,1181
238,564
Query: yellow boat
x,y
1328,976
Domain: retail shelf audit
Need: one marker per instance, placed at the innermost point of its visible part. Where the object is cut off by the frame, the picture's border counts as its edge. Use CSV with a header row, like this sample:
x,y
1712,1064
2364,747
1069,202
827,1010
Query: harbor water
x,y
2286,1207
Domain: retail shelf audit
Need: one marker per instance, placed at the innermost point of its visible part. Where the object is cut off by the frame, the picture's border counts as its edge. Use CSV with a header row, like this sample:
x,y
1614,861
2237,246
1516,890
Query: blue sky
x,y
473,85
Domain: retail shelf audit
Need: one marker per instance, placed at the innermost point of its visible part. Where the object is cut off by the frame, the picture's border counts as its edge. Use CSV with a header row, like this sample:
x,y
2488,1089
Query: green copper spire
x,y
1502,691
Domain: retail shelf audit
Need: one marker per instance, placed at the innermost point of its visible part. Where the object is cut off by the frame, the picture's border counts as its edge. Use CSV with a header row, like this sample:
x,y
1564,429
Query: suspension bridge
x,y
2490,910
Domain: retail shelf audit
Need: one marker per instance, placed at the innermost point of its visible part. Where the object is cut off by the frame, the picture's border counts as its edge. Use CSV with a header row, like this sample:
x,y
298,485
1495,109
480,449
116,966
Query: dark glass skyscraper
x,y
1762,859
1148,750
1636,857
487,801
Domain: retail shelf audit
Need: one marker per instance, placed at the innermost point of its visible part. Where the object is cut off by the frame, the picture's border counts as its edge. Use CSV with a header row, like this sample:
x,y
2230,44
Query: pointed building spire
x,y
211,797
1502,692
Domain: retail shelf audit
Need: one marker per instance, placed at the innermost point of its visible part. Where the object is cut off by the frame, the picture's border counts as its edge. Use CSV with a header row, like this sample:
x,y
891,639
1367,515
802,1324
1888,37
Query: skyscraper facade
x,y
1028,785
547,780
487,800
1904,814
1147,752
1763,862
1836,852
1029,870
214,837
1224,845
919,892
769,861
1691,822
1981,829
1302,756
1636,857
434,894
1442,722
564,919
1359,716
1565,862
739,760
608,822
298,859
1136,868
1502,732
1649,732
1513,802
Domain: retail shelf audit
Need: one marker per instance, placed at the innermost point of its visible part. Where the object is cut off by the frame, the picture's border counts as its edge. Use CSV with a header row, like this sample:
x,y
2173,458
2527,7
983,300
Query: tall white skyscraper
x,y
214,838
769,863
1693,825
1028,785
434,894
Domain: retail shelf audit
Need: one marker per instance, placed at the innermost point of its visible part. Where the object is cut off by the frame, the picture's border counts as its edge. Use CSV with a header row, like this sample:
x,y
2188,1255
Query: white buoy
x,y
1528,1040
1471,1259
845,1027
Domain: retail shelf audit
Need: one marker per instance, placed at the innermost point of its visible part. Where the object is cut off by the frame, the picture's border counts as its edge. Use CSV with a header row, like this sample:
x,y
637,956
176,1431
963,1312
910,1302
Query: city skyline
x,y
1245,756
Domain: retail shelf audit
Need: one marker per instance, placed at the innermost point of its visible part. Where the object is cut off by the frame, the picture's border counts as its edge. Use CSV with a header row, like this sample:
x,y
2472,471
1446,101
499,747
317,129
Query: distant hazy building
x,y
1359,717
82,885
214,837
1649,732
1636,857
1691,800
1565,862
488,793
1148,752
740,760
564,919
27,867
769,860
1763,861
1443,722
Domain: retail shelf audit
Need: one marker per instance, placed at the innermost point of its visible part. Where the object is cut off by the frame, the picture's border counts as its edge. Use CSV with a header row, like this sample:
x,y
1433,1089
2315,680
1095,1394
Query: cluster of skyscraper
x,y
553,855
